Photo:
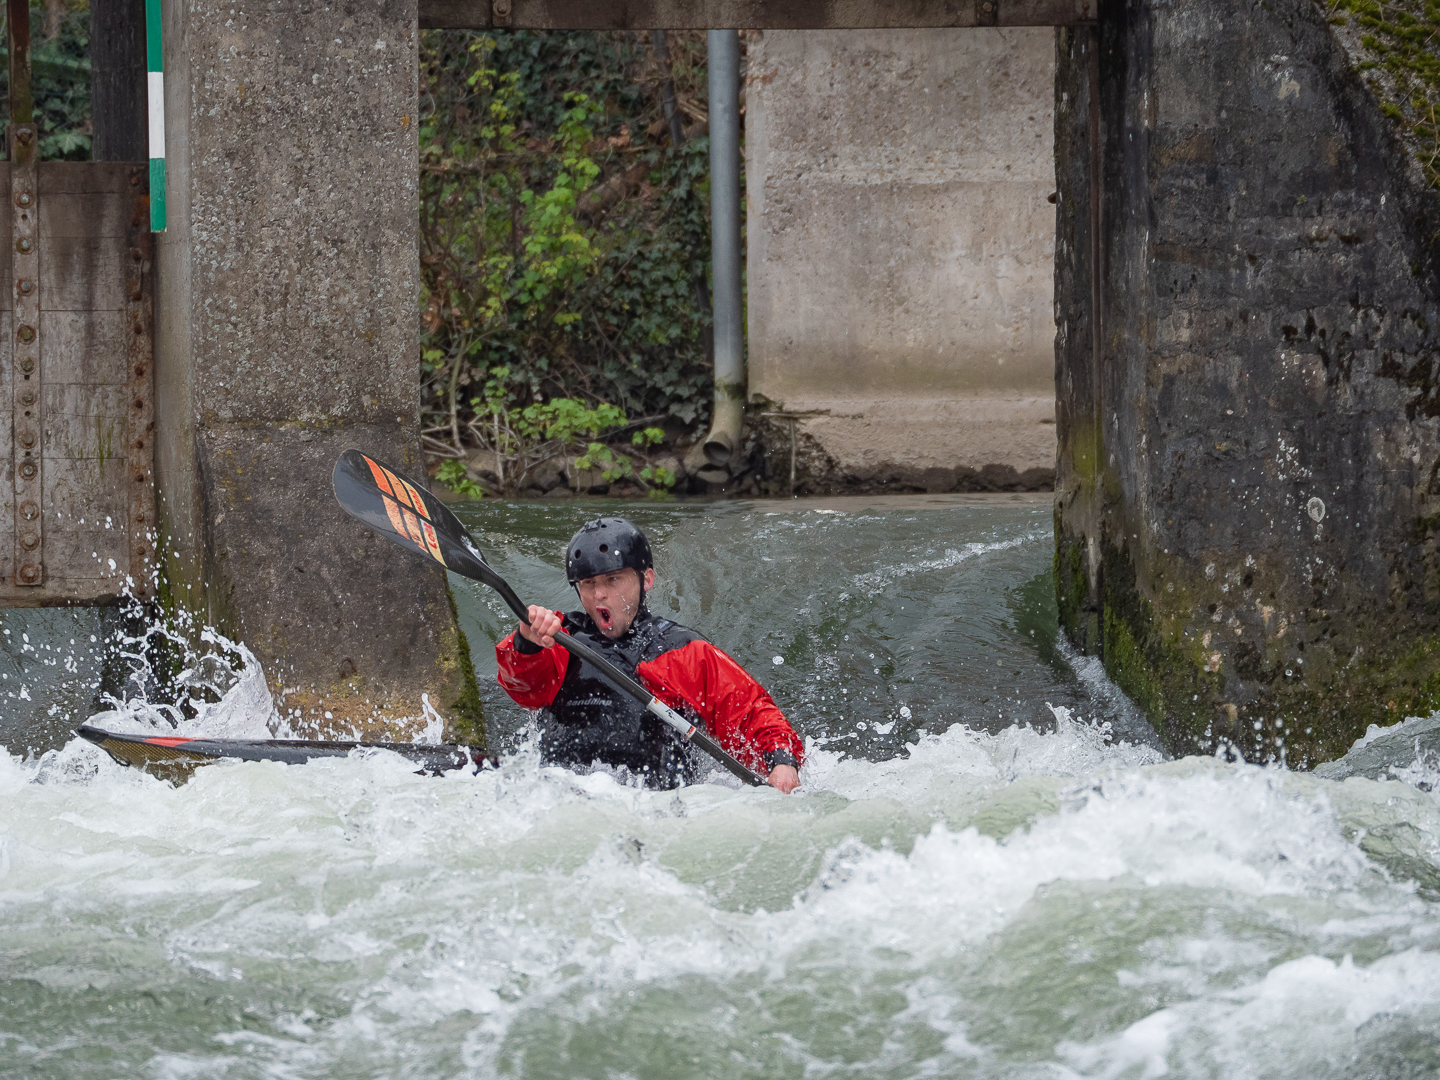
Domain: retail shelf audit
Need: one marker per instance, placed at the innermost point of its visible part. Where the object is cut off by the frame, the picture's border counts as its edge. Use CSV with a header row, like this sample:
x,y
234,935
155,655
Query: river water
x,y
991,870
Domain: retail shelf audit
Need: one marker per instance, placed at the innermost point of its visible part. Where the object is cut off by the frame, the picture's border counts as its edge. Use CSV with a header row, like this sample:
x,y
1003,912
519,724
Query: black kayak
x,y
172,750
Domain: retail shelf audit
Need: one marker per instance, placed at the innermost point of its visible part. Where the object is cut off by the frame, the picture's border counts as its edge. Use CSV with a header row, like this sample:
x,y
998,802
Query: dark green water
x,y
941,605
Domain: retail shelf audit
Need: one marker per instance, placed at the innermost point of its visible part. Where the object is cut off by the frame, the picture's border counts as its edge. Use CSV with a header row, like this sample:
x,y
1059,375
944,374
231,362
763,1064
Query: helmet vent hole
x,y
604,547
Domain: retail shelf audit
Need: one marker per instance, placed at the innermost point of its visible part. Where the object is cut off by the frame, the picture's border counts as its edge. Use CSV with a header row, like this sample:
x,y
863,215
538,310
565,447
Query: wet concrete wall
x,y
900,251
287,333
1249,471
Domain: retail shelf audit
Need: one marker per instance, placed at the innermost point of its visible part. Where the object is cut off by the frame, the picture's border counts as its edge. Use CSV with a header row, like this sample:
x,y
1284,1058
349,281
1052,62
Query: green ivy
x,y
616,465
526,298
453,475
1401,41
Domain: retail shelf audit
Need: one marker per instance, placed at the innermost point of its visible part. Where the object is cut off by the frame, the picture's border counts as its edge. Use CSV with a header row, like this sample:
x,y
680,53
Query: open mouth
x,y
605,617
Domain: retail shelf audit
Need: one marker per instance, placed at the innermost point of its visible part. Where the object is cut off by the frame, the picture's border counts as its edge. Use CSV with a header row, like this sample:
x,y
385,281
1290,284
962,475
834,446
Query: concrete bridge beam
x,y
287,332
1249,431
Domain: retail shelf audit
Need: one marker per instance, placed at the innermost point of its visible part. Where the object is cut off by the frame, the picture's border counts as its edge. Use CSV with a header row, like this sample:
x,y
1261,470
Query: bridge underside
x,y
288,329
748,14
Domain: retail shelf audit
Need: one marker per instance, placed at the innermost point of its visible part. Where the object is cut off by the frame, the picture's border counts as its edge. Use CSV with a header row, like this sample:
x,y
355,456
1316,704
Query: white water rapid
x,y
965,895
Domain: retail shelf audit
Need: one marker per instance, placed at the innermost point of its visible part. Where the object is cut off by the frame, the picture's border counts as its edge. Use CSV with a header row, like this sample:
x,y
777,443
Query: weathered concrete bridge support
x,y
287,332
1249,483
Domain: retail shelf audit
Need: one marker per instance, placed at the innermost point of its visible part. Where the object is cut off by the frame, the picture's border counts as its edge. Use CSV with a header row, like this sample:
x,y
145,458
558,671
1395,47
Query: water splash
x,y
225,697
1047,899
1018,903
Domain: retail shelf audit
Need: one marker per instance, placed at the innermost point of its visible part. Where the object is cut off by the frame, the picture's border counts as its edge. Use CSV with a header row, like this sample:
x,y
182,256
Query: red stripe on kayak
x,y
168,740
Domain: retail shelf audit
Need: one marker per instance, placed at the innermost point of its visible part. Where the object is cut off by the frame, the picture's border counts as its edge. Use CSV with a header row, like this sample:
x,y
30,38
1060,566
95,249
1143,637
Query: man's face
x,y
613,599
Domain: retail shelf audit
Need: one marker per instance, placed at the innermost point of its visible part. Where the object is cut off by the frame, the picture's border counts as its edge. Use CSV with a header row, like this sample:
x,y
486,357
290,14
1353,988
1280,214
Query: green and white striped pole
x,y
155,65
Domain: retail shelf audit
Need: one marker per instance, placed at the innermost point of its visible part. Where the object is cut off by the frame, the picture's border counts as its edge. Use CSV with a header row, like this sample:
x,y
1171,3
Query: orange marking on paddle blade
x,y
402,492
412,530
393,510
380,476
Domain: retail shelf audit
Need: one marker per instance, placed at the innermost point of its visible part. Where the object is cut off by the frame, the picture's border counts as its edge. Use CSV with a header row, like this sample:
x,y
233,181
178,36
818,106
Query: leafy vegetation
x,y
1401,42
656,480
523,440
563,245
60,77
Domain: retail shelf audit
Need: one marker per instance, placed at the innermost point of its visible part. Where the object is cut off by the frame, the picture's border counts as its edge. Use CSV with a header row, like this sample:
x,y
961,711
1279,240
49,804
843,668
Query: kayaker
x,y
585,720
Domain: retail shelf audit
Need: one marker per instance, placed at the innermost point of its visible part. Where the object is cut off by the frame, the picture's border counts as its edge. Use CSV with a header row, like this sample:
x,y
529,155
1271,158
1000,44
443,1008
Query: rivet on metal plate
x,y
29,511
27,439
29,541
26,286
26,334
27,364
27,471
23,199
29,573
24,245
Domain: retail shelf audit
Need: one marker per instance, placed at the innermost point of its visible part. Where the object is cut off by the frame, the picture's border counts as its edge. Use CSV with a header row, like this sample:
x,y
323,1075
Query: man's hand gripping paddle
x,y
405,512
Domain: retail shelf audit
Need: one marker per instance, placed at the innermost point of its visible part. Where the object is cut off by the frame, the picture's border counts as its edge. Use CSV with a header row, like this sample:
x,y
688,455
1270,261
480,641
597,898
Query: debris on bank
x,y
777,459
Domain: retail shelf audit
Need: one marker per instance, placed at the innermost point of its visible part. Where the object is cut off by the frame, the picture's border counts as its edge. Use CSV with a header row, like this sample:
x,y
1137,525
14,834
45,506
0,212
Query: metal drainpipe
x,y
723,442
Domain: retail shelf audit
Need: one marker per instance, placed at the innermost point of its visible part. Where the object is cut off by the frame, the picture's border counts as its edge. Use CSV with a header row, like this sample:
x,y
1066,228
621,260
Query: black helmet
x,y
605,545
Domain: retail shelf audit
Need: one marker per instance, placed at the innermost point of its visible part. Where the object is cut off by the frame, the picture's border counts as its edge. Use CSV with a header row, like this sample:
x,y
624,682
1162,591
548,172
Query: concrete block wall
x,y
900,250
1246,508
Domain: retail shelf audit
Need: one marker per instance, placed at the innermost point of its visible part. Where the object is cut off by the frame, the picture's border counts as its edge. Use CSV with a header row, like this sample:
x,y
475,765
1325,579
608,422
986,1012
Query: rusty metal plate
x,y
77,498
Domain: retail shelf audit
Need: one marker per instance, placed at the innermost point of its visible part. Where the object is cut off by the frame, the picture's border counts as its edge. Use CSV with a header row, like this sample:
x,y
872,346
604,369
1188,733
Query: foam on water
x,y
981,898
245,708
1009,904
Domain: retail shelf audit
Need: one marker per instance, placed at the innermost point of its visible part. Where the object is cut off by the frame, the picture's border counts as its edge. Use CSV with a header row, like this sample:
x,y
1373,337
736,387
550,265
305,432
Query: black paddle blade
x,y
404,512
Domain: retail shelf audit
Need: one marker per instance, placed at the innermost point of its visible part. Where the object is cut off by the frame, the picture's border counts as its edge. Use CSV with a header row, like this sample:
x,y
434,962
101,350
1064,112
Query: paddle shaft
x,y
406,513
624,682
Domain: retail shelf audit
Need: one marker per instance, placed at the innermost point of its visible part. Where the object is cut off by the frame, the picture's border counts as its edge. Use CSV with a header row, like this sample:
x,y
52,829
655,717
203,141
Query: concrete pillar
x,y
1248,504
288,284
900,249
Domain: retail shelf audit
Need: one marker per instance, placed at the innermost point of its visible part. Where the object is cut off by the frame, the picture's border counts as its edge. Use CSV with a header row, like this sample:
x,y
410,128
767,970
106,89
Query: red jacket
x,y
584,719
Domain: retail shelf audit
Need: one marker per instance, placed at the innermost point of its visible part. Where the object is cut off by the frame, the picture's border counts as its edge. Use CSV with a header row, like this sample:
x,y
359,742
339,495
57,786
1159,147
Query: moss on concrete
x,y
1400,45
1317,713
1167,674
1072,587
468,714
1080,456
1303,692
